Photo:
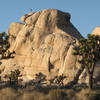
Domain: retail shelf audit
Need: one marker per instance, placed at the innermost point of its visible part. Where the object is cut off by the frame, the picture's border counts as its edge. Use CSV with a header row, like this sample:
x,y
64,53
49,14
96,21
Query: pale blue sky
x,y
85,14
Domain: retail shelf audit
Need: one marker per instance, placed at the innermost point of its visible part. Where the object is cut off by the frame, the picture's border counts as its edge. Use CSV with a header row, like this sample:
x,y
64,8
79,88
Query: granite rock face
x,y
96,31
43,43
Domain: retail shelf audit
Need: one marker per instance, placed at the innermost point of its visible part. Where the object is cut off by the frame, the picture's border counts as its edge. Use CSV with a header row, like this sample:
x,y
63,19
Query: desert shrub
x,y
40,77
58,80
13,76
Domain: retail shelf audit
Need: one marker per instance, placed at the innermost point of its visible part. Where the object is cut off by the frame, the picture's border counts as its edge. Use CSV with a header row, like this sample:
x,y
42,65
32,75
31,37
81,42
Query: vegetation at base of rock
x,y
13,76
40,77
58,80
89,52
4,44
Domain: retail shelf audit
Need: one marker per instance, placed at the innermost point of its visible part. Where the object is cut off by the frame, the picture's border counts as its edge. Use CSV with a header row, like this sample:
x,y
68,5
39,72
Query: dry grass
x,y
8,94
87,94
32,93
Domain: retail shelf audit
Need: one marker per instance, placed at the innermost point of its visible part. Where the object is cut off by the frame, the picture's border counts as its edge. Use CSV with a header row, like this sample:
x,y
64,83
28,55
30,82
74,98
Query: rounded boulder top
x,y
96,31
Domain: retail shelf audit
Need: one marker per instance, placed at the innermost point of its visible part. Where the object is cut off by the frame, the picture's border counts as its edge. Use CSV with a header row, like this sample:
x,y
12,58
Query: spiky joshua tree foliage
x,y
4,44
89,51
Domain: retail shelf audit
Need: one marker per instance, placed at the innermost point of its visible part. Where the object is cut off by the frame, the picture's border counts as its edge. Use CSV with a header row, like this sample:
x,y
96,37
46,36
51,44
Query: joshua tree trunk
x,y
90,72
76,78
90,80
2,55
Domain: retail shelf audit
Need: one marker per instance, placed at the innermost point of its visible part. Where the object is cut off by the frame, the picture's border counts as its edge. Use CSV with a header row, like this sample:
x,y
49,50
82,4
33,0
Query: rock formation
x,y
43,43
96,31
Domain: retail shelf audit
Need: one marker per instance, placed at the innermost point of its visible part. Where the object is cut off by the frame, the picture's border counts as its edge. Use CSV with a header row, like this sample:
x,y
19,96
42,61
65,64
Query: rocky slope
x,y
43,43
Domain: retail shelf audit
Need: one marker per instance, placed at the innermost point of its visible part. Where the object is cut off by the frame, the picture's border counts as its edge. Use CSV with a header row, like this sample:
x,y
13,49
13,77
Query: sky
x,y
85,14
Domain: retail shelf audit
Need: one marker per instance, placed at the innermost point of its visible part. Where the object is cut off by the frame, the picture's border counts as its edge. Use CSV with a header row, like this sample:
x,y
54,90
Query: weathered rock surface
x,y
44,43
14,30
96,31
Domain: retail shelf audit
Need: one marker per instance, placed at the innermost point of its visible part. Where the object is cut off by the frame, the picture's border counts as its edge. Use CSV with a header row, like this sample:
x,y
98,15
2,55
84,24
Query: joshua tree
x,y
4,44
89,50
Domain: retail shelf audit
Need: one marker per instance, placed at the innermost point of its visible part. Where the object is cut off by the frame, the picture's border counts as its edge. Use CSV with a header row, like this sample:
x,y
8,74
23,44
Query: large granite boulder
x,y
43,43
